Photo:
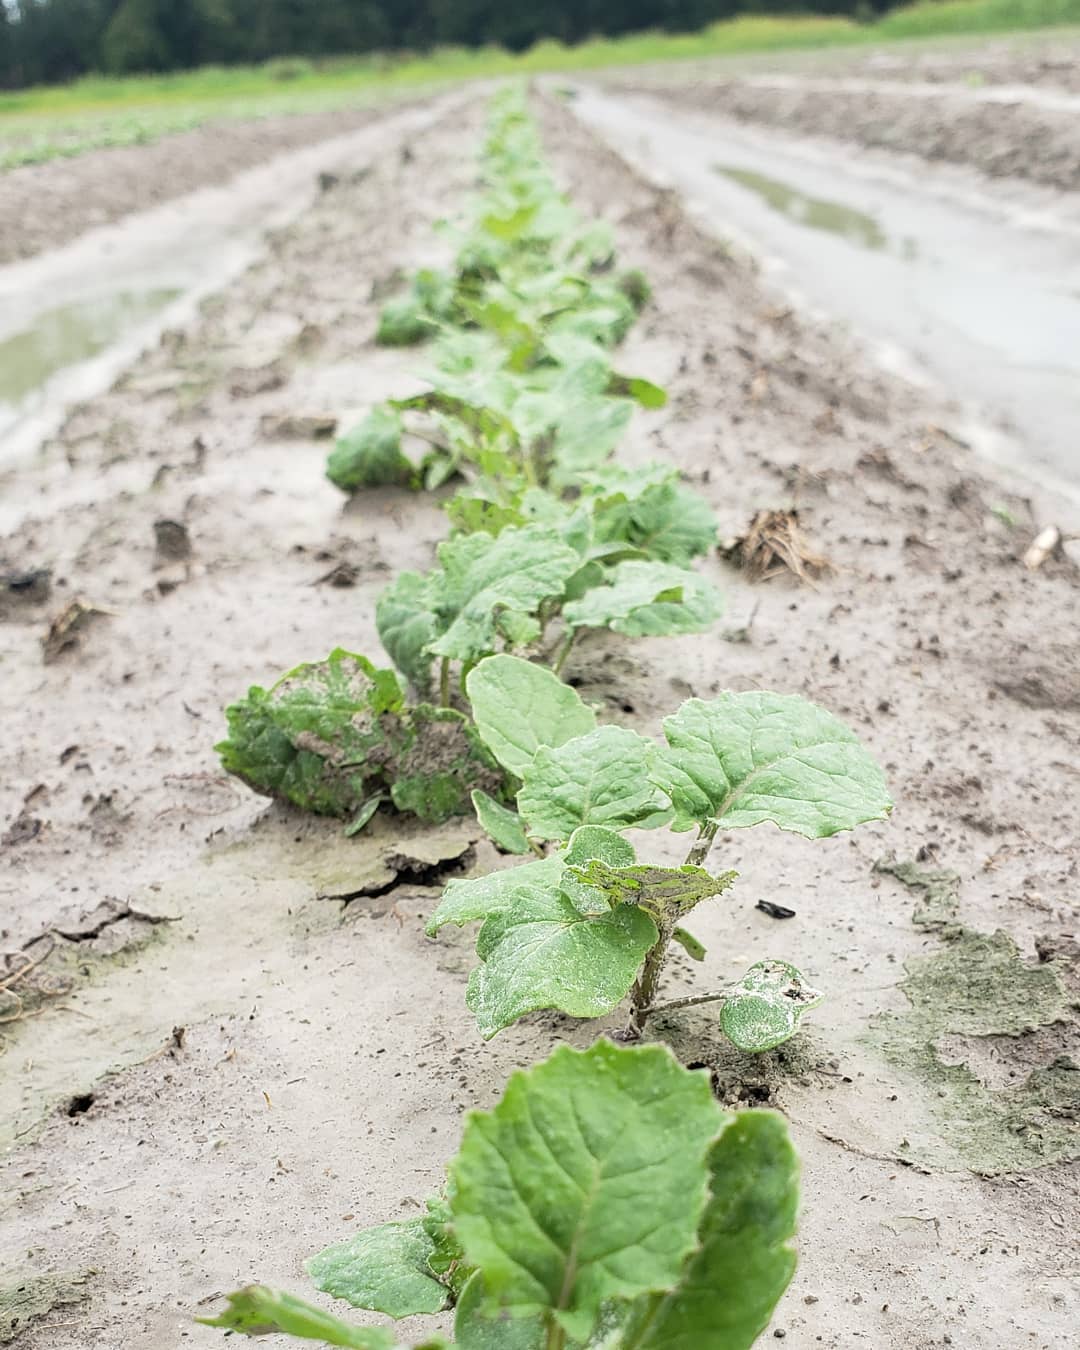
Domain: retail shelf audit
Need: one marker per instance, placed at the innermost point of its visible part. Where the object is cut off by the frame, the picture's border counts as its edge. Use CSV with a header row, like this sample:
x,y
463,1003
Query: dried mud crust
x,y
326,1055
1002,140
45,205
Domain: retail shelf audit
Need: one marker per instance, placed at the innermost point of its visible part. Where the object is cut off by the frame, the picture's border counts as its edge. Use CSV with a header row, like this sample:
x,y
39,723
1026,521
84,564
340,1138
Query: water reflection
x,y
816,212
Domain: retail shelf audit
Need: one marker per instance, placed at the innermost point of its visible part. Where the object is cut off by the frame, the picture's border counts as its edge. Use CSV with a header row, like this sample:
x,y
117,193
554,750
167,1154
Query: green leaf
x,y
259,1311
643,392
743,758
476,1329
519,706
364,815
601,778
588,843
481,576
321,737
764,1008
501,824
694,949
404,321
370,455
466,901
541,952
588,431
665,520
662,891
384,1269
406,626
648,599
586,1183
730,1287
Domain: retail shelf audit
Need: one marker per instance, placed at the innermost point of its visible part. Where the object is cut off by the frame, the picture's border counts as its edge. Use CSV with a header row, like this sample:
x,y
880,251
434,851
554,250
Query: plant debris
x,y
67,629
774,543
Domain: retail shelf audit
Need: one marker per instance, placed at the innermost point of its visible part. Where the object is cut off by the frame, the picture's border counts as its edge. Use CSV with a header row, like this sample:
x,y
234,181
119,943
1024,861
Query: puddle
x,y
65,337
815,212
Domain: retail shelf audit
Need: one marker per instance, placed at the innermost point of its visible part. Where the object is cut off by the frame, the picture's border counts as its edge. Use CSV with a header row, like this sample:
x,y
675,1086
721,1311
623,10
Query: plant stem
x,y
692,1002
556,1337
703,843
643,994
444,682
564,651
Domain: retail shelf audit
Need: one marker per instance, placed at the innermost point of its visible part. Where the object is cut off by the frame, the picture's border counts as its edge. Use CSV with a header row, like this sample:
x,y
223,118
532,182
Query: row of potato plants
x,y
606,1201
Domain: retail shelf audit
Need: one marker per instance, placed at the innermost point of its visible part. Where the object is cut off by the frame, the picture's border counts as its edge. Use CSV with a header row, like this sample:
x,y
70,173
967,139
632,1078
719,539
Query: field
x,y
583,429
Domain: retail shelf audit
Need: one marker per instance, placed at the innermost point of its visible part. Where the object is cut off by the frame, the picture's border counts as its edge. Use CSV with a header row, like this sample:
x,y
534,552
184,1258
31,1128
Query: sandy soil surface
x,y
243,1046
1027,130
45,205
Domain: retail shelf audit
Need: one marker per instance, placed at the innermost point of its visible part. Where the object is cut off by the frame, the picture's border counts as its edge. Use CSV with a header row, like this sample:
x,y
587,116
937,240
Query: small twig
x,y
32,962
691,1002
564,651
444,682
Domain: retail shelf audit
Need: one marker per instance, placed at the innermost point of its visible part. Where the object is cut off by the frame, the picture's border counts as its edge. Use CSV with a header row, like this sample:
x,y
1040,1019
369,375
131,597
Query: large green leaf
x,y
647,599
744,758
466,901
519,706
542,952
601,778
481,576
732,1284
370,455
385,1269
406,625
259,1311
586,1183
665,520
321,736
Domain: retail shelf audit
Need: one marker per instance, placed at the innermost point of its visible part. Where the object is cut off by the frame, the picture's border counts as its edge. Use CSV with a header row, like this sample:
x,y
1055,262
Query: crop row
x,y
607,1201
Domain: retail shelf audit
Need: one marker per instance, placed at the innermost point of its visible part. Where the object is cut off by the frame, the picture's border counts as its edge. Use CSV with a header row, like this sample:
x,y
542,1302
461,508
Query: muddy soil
x,y
241,1046
45,205
1021,133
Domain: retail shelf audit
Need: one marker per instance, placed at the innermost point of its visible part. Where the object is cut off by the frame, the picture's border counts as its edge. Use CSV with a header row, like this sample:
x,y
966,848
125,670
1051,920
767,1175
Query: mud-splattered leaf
x,y
321,736
502,825
370,455
384,1269
259,1311
763,1009
731,1285
587,843
441,763
481,576
541,952
586,1183
519,706
741,759
647,599
466,901
601,778
663,891
406,625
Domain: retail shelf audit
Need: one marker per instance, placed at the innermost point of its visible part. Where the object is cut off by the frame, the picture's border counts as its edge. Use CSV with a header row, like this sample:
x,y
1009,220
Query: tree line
x,y
44,41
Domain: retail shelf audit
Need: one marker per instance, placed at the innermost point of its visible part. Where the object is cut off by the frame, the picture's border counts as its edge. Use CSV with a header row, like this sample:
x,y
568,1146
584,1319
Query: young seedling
x,y
607,1202
588,923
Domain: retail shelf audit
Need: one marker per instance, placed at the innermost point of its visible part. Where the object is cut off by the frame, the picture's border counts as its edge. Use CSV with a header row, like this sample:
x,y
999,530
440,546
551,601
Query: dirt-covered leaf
x,y
370,455
648,599
542,952
440,764
466,901
480,576
502,825
731,1285
259,1311
601,778
740,759
588,843
662,891
586,1183
321,736
666,521
519,706
406,626
475,1328
763,1009
384,1269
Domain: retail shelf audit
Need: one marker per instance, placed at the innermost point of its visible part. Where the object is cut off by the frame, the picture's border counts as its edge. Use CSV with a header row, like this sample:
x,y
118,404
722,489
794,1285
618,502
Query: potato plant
x,y
606,1203
580,928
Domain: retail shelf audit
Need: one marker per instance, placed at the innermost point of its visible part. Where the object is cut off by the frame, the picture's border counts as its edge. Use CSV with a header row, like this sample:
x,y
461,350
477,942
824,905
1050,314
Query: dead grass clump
x,y
774,544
